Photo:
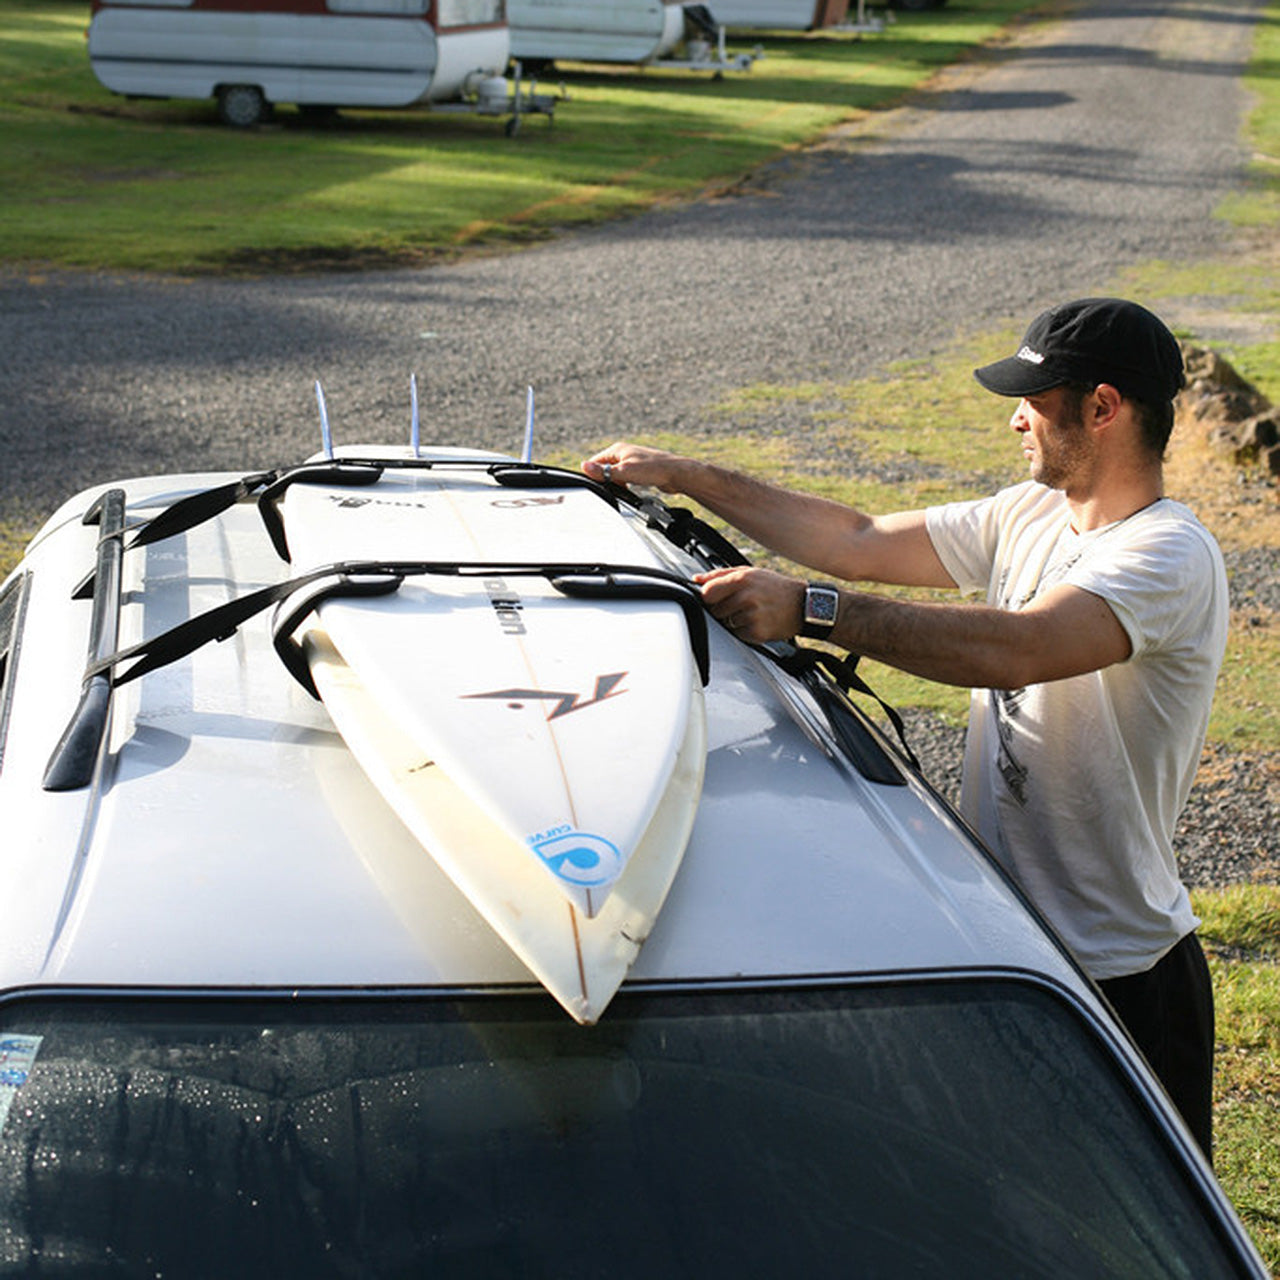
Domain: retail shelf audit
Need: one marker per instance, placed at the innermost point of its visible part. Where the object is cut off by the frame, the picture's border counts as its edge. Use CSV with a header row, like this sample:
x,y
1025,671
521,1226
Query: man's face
x,y
1055,443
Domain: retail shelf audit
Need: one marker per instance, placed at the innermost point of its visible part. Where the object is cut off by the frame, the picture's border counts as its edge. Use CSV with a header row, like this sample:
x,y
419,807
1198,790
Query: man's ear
x,y
1106,404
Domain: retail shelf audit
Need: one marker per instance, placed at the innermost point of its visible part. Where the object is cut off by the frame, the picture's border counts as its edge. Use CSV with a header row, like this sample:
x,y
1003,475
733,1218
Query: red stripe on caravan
x,y
442,15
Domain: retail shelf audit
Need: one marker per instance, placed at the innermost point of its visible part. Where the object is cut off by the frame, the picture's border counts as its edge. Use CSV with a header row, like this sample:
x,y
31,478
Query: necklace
x,y
1057,566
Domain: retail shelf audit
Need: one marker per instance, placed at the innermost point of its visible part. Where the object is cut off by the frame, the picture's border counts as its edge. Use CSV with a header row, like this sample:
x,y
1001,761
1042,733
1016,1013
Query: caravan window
x,y
397,8
469,13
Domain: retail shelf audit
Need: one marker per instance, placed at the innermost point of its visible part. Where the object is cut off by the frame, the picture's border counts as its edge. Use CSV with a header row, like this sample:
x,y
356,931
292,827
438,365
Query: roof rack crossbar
x,y
585,581
633,585
679,525
363,471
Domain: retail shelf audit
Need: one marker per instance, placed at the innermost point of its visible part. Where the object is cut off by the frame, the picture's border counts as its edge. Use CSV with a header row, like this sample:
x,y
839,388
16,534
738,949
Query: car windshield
x,y
962,1128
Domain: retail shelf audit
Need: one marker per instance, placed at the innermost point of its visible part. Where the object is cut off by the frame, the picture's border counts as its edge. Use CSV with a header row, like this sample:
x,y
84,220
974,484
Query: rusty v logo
x,y
606,687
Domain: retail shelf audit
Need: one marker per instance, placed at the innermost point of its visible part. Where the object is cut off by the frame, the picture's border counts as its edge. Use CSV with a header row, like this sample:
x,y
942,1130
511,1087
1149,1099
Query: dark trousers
x,y
1169,1013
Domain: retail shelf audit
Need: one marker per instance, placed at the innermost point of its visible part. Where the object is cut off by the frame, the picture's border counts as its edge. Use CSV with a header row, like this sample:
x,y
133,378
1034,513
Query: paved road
x,y
1102,140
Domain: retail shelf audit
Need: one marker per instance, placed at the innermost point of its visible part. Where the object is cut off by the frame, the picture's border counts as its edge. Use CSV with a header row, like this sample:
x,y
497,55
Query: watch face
x,y
820,605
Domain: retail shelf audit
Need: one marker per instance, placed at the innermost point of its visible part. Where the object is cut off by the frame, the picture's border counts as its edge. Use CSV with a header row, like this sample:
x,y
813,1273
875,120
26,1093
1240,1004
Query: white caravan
x,y
252,54
638,31
781,15
604,31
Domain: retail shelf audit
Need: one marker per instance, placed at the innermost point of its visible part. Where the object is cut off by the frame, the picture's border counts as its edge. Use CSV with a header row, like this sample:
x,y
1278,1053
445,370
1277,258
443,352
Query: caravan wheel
x,y
241,105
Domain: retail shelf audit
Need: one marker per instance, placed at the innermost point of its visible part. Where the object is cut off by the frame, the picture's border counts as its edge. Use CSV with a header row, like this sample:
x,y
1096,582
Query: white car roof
x,y
228,838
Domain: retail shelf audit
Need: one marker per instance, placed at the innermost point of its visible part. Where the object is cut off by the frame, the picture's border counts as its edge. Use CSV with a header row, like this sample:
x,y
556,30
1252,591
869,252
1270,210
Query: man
x,y
1092,662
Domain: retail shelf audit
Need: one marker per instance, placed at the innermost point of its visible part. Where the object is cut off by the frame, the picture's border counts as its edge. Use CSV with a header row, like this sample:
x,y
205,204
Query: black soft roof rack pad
x,y
532,475
294,608
345,471
643,585
363,471
584,582
196,508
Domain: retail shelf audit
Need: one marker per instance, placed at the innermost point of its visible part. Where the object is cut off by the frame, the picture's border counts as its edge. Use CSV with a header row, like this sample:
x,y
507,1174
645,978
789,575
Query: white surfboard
x,y
580,960
560,721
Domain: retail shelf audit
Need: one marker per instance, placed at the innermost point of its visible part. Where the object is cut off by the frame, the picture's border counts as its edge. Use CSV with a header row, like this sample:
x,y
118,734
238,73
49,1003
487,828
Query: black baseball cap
x,y
1093,340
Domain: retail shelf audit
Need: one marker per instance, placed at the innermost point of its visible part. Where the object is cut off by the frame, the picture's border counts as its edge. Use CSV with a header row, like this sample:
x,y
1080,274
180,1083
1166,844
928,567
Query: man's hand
x,y
623,463
757,605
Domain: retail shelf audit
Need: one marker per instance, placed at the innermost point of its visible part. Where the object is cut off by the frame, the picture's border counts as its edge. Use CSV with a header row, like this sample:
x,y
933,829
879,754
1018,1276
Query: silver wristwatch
x,y
821,604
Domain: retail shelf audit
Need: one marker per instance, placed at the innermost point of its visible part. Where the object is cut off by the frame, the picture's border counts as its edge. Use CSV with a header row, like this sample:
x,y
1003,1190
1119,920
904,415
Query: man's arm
x,y
1065,632
828,537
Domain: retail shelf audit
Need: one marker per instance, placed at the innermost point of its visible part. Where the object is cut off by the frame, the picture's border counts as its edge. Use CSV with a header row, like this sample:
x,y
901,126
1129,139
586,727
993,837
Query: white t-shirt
x,y
1076,784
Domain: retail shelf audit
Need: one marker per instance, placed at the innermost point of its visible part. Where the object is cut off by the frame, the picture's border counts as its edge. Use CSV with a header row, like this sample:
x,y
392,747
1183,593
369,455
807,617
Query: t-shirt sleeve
x,y
965,536
1162,585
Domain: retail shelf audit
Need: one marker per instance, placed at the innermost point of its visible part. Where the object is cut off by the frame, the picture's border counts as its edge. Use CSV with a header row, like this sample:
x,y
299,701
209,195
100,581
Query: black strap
x,y
696,536
372,577
196,508
804,661
215,624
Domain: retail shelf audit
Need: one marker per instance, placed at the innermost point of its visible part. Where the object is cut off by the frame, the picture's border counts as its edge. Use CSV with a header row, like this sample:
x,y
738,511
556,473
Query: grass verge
x,y
1241,933
96,180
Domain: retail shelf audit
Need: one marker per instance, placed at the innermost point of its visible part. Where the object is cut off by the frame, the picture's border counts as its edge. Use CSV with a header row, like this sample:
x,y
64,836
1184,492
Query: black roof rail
x,y
73,760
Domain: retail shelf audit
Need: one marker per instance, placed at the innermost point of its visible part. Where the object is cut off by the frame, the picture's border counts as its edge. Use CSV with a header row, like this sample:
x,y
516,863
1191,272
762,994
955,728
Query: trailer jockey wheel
x,y
241,105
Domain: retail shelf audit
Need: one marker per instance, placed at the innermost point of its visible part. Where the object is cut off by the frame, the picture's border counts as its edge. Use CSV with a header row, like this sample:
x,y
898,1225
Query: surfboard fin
x,y
526,455
415,438
326,439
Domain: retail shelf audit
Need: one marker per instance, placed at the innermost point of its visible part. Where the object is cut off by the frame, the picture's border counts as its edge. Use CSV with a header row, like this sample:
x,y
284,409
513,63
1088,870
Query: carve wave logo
x,y
578,857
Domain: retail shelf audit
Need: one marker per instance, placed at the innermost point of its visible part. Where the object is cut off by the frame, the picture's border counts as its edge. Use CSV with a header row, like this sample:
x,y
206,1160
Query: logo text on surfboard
x,y
519,504
506,604
565,700
351,502
578,857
